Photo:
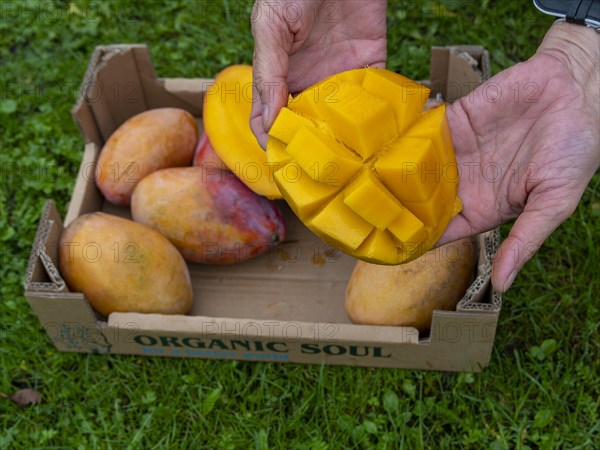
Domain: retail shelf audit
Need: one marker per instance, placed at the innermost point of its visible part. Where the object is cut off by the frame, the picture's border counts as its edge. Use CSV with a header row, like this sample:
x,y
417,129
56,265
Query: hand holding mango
x,y
553,163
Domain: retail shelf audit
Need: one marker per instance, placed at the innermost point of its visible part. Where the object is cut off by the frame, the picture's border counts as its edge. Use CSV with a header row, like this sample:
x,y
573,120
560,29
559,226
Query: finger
x,y
256,120
458,228
272,45
464,140
526,236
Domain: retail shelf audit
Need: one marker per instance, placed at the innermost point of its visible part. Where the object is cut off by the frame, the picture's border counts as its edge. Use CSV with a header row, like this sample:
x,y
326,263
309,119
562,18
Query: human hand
x,y
527,143
298,43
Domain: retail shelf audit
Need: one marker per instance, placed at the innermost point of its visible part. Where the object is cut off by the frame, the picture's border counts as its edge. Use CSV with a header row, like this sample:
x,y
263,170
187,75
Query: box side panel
x,y
86,197
119,92
67,318
438,69
182,93
273,329
120,82
459,342
84,117
462,340
81,111
458,70
463,76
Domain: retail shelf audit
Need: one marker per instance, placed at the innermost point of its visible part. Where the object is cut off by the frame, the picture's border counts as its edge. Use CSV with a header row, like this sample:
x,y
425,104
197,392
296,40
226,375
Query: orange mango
x,y
152,140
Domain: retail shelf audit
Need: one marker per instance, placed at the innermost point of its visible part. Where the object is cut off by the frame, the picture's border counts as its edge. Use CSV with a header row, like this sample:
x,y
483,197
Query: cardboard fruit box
x,y
287,305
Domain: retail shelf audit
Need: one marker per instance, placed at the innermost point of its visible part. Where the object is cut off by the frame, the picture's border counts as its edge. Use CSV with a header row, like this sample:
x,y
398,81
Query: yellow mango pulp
x,y
364,168
226,115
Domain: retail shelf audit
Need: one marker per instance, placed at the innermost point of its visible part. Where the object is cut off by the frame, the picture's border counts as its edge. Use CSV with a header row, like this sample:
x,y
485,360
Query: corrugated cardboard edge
x,y
43,259
472,300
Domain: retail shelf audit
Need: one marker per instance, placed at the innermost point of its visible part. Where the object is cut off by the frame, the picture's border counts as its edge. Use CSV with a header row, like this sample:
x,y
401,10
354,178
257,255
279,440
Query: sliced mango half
x,y
364,168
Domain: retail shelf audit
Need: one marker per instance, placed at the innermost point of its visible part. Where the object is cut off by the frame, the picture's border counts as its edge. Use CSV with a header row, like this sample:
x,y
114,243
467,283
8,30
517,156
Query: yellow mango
x,y
373,174
124,266
226,116
210,216
377,245
276,154
410,158
408,294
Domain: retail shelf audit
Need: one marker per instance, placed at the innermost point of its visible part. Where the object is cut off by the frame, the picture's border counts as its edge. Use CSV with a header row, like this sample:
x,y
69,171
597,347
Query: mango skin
x,y
205,155
123,266
226,116
210,216
149,141
408,294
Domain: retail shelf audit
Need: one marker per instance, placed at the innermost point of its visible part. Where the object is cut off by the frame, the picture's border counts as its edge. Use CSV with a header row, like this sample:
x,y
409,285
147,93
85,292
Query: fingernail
x,y
266,109
510,280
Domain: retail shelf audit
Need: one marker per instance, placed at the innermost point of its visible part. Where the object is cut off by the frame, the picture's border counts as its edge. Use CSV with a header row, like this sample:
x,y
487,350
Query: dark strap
x,y
578,11
574,11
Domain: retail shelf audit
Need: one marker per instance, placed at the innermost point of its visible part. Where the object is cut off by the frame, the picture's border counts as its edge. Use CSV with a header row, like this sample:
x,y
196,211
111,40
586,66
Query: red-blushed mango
x,y
123,266
206,156
149,141
408,294
210,216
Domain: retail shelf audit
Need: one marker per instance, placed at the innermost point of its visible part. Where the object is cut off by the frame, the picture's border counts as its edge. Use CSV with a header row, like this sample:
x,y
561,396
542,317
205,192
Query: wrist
x,y
576,46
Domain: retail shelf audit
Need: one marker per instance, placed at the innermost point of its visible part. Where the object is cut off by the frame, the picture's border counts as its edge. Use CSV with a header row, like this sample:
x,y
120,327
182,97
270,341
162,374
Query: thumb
x,y
525,238
272,45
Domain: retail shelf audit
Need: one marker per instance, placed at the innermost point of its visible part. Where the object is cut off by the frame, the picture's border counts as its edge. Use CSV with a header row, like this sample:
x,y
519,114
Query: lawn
x,y
541,389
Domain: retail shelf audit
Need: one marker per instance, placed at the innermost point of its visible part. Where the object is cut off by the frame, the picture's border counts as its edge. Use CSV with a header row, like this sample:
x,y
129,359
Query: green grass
x,y
540,390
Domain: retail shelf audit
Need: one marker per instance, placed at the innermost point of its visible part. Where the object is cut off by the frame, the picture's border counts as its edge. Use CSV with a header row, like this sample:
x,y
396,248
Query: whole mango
x,y
210,216
152,140
408,294
123,266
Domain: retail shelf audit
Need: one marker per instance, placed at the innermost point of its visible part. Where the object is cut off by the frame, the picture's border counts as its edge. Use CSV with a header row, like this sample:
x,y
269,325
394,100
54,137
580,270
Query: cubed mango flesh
x,y
304,195
287,124
362,121
324,159
364,168
405,96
